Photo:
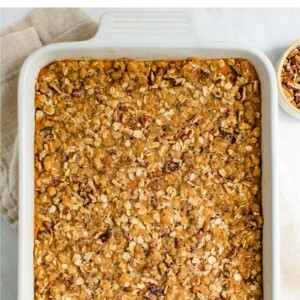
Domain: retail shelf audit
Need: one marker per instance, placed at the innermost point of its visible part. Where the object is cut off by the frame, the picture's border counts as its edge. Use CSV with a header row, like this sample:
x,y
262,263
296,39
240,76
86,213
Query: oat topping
x,y
148,180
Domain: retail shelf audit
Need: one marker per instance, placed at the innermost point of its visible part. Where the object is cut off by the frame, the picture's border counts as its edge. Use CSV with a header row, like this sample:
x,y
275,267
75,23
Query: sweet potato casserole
x,y
148,180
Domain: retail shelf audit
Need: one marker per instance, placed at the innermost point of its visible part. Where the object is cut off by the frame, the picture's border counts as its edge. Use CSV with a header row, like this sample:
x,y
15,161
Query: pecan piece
x,y
106,236
145,121
171,167
98,90
155,185
76,93
156,174
47,224
111,151
156,290
159,72
205,227
154,202
127,289
232,253
182,136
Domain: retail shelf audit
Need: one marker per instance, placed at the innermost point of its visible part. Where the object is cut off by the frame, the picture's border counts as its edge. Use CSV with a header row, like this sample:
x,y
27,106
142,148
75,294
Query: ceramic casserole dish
x,y
147,35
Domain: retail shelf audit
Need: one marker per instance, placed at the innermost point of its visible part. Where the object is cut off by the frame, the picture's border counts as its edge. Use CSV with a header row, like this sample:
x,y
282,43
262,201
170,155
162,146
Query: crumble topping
x,y
148,180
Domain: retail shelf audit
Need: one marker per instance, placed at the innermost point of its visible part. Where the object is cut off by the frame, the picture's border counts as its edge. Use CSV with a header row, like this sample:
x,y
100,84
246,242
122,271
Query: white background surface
x,y
270,30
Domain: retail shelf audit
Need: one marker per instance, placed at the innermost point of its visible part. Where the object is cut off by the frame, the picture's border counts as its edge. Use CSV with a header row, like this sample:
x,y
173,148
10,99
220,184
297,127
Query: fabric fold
x,y
15,48
41,27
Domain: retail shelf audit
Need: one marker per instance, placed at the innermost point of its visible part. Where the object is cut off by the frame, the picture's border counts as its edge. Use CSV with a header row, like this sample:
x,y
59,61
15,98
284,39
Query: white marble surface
x,y
270,30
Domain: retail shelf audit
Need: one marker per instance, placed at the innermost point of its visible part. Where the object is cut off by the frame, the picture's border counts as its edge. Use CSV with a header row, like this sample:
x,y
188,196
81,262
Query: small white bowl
x,y
284,103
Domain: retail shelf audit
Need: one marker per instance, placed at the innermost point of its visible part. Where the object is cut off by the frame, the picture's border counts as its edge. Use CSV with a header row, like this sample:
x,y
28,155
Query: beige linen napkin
x,y
43,26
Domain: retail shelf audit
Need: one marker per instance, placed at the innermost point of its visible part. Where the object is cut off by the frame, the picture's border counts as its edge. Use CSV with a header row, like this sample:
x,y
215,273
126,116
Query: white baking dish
x,y
147,35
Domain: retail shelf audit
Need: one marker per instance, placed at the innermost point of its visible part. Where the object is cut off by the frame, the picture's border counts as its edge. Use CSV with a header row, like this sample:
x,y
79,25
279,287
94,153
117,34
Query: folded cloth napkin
x,y
43,26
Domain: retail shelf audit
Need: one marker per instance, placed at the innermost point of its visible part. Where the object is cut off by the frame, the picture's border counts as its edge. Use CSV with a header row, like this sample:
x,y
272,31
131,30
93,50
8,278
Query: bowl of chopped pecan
x,y
152,176
288,78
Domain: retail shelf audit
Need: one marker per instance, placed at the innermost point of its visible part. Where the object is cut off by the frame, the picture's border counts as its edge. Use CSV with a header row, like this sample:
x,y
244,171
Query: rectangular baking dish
x,y
147,35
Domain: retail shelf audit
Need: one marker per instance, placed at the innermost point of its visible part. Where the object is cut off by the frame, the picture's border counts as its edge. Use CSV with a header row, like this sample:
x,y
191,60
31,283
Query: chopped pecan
x,y
77,93
111,151
155,185
171,166
127,289
156,290
154,202
145,121
232,253
290,77
159,72
47,224
107,235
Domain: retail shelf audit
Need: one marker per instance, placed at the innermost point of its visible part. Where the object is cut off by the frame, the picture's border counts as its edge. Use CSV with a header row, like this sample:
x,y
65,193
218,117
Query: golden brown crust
x,y
147,180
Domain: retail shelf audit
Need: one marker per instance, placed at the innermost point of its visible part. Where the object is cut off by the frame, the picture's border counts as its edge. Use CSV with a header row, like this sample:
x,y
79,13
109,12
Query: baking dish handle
x,y
146,28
